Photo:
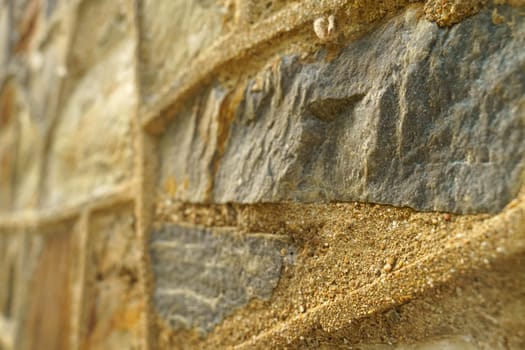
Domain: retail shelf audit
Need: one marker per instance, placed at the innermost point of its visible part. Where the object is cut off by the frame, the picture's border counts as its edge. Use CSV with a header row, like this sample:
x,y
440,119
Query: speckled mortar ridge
x,y
498,238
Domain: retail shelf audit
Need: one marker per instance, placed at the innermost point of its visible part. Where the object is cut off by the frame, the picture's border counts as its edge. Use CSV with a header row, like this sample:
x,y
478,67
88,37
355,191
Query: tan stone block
x,y
11,275
92,147
92,144
21,142
47,69
11,245
37,274
33,21
50,296
28,160
4,39
172,33
113,304
101,26
8,139
26,22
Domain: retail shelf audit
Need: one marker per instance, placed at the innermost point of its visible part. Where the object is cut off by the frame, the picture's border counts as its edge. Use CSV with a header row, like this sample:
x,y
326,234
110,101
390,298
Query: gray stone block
x,y
202,275
409,115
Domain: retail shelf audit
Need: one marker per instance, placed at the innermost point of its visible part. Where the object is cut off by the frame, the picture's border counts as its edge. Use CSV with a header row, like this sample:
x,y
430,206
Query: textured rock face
x,y
39,268
4,40
95,107
36,59
113,305
20,143
202,275
191,149
101,26
172,33
14,271
50,292
392,119
8,141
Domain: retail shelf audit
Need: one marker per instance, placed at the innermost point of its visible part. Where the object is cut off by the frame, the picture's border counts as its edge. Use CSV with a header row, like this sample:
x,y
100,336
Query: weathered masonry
x,y
241,174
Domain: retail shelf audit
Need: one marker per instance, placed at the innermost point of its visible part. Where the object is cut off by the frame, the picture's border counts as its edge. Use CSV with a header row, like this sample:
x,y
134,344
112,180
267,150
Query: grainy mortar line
x,y
405,284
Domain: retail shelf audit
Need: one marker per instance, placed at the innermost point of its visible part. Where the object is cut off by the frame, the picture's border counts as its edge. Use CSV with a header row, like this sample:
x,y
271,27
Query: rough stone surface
x,y
172,33
11,271
100,27
392,119
36,52
96,106
190,149
8,141
202,275
49,292
113,309
47,70
98,97
20,146
39,268
4,39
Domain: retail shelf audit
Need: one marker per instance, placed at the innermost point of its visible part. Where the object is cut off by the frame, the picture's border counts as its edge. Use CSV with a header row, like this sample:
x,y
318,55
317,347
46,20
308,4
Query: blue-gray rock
x,y
410,115
202,275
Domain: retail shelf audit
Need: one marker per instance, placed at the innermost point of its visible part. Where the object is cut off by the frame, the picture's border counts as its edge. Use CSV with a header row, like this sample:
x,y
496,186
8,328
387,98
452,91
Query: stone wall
x,y
262,174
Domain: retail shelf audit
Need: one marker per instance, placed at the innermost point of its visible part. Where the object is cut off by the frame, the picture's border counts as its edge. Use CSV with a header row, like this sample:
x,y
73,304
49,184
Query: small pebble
x,y
387,267
324,27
